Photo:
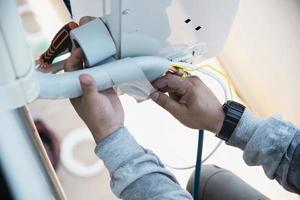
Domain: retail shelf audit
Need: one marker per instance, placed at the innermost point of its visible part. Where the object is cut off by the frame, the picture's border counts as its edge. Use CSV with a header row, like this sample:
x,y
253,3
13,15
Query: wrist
x,y
217,121
100,133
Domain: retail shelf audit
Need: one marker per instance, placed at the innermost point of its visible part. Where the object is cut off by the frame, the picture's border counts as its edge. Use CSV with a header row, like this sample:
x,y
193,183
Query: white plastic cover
x,y
95,41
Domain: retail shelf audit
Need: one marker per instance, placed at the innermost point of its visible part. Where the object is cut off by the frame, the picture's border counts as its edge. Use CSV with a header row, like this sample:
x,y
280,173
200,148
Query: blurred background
x,y
260,57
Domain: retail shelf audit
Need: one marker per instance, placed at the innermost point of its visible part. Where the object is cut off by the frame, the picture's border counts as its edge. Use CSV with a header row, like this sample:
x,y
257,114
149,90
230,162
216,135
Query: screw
x,y
125,12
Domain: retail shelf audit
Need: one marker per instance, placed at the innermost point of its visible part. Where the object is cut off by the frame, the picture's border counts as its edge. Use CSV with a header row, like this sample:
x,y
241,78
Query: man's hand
x,y
102,111
190,101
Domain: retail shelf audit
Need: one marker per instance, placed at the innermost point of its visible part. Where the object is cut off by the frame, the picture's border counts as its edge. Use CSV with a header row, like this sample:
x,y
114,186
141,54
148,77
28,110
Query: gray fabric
x,y
271,143
137,173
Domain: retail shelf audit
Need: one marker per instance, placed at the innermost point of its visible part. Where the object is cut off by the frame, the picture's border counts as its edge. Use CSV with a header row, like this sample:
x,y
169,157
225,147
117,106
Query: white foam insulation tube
x,y
131,75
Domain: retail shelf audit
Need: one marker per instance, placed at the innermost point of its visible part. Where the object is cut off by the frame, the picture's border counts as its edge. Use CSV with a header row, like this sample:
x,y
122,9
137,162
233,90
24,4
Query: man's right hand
x,y
190,101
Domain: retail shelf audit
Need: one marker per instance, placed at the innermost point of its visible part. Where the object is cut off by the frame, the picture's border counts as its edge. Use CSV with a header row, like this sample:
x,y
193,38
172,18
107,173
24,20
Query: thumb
x,y
88,85
166,102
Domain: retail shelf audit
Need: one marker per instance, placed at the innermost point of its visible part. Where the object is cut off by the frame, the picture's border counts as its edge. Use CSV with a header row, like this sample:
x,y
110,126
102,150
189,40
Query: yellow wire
x,y
197,68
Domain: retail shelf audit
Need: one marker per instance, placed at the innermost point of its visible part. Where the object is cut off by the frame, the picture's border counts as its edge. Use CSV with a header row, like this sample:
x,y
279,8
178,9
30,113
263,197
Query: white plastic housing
x,y
174,29
17,86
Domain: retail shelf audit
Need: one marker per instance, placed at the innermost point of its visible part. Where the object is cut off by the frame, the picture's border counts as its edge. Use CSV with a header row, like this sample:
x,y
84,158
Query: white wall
x,y
262,56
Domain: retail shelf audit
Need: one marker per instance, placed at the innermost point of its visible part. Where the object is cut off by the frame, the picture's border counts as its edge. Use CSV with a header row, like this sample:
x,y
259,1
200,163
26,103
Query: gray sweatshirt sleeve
x,y
136,173
272,143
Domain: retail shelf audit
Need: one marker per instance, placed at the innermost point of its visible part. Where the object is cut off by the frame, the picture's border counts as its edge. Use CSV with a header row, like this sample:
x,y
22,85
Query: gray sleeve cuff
x,y
273,144
244,130
265,142
111,150
129,163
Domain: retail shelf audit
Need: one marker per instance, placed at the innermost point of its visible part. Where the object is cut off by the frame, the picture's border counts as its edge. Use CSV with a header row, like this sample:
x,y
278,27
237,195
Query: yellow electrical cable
x,y
197,68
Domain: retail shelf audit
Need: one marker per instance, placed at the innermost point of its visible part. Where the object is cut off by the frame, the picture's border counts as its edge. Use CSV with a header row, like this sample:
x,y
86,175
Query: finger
x,y
195,80
113,98
174,96
88,85
109,91
75,61
171,83
85,19
166,102
111,94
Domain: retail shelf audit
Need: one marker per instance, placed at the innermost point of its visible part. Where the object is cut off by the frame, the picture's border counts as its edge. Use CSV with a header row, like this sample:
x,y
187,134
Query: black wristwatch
x,y
233,112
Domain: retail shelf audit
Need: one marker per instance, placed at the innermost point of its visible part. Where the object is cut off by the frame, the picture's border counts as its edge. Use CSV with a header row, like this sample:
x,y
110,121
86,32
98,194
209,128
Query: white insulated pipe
x,y
129,70
131,75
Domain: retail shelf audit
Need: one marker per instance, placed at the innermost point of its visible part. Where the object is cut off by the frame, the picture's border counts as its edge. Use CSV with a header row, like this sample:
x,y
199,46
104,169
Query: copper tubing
x,y
178,72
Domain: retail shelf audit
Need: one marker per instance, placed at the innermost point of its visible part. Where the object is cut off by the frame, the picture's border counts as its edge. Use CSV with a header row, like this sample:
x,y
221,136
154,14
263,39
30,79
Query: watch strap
x,y
233,112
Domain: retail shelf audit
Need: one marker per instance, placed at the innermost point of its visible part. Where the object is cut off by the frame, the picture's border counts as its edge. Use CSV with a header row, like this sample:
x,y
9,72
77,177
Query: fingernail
x,y
84,81
154,96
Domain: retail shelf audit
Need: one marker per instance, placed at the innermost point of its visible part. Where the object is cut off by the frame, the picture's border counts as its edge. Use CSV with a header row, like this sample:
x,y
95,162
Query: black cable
x,y
197,180
68,5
